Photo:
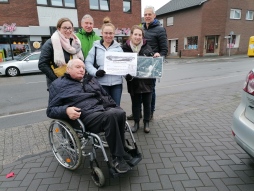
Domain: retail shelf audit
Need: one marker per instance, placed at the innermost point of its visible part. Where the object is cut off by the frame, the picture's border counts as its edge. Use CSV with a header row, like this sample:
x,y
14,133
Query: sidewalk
x,y
190,148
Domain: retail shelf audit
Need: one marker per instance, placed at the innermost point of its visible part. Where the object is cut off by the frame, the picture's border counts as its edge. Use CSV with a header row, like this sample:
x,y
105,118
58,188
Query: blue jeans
x,y
115,92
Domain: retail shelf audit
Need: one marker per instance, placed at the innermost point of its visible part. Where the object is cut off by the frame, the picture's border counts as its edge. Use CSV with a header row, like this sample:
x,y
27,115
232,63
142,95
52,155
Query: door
x,y
173,47
210,44
30,64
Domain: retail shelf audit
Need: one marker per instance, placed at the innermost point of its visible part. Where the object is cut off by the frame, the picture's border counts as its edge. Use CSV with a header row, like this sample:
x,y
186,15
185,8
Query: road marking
x,y
35,82
23,113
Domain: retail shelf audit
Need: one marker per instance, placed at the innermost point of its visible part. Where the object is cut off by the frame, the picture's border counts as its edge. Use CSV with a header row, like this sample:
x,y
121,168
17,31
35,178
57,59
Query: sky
x,y
156,3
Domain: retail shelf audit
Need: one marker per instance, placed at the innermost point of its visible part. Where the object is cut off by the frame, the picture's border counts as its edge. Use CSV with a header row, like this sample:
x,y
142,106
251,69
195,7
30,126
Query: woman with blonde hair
x,y
58,50
111,83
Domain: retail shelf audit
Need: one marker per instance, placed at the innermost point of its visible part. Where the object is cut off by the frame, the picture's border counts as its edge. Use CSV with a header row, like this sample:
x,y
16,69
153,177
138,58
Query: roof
x,y
175,5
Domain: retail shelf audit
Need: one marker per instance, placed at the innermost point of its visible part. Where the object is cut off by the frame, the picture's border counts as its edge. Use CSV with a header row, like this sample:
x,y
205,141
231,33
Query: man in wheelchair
x,y
78,95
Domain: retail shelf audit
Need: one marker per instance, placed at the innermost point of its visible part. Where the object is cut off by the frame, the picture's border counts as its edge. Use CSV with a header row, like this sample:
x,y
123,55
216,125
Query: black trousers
x,y
112,122
137,99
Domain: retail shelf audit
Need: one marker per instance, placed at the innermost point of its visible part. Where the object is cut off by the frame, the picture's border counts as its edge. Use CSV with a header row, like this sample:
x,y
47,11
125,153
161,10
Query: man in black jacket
x,y
76,95
156,37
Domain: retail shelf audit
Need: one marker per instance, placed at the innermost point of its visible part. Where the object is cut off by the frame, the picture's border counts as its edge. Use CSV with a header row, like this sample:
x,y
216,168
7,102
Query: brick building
x,y
25,23
207,27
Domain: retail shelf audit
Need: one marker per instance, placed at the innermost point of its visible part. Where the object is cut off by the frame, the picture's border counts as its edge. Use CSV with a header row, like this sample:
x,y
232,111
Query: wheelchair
x,y
69,147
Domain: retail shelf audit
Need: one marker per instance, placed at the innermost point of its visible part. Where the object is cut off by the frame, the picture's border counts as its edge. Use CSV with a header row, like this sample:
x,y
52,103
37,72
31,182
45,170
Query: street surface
x,y
190,147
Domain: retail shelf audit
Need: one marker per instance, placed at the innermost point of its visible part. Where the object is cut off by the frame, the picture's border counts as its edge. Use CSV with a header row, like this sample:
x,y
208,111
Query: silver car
x,y
24,63
243,119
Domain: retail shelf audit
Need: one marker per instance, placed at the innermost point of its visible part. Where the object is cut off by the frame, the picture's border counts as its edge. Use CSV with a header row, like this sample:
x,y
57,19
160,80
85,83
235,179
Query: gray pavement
x,y
190,148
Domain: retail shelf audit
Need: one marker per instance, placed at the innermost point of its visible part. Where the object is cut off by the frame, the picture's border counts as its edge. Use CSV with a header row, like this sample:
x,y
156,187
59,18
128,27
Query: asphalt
x,y
190,148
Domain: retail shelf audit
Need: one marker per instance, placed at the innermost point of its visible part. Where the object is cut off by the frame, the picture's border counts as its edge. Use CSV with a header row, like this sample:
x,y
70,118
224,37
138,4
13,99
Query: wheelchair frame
x,y
68,146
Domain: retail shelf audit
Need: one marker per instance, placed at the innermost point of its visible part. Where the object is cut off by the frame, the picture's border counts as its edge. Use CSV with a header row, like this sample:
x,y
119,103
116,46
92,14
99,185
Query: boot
x,y
146,127
135,128
151,116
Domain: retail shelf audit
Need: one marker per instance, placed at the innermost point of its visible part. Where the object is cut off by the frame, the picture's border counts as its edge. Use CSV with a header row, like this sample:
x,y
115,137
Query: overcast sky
x,y
156,3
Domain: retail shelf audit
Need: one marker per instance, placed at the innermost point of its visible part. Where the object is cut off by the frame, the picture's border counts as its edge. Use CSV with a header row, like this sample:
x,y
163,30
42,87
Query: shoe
x,y
135,128
130,117
120,165
146,127
151,116
127,157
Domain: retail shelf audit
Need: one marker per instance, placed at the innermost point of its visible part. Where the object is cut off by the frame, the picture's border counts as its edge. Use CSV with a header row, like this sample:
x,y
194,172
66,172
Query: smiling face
x,y
66,29
87,24
136,37
76,69
149,16
108,34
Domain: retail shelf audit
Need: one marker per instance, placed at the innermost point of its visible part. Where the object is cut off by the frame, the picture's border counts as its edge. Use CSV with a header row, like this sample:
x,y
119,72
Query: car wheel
x,y
12,71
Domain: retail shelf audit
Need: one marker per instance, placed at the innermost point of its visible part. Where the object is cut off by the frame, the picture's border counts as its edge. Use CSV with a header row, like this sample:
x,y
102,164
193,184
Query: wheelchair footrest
x,y
135,160
113,172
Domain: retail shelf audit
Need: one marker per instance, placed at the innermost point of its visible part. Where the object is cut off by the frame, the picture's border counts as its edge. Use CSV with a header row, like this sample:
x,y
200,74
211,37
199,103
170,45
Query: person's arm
x,y
162,42
45,59
89,62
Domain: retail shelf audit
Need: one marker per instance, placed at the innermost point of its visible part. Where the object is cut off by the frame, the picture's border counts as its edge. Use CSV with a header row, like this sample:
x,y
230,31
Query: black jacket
x,y
156,37
140,85
47,58
88,95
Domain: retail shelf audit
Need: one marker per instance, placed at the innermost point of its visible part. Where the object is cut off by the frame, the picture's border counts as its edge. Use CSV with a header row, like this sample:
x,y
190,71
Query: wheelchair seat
x,y
68,145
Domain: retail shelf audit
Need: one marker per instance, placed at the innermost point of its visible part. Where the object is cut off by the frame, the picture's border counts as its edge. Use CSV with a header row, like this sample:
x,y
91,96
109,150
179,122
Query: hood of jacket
x,y
83,32
155,23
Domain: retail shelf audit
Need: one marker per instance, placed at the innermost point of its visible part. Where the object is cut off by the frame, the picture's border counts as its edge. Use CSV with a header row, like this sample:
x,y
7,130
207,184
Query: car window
x,y
34,57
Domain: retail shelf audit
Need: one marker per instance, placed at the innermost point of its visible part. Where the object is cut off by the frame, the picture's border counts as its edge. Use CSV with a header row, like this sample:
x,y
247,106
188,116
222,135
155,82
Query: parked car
x,y
243,119
24,63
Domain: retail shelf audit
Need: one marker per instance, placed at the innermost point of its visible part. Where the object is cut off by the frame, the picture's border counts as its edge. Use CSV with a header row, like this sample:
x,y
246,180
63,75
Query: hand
x,y
73,112
129,77
100,73
156,54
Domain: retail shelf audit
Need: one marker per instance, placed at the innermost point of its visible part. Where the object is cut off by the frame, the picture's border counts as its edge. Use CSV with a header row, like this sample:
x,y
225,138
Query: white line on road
x,y
35,82
11,115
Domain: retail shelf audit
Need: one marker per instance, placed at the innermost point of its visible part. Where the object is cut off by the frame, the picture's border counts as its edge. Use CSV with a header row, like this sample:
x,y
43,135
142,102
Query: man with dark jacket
x,y
156,37
76,95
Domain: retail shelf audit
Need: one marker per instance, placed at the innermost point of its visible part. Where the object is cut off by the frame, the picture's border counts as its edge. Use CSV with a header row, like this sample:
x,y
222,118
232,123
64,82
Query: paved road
x,y
190,148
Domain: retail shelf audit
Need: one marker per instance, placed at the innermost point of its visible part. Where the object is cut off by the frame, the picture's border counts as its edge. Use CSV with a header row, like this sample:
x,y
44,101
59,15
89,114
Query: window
x,y
161,22
127,6
191,42
4,1
235,14
234,42
99,5
57,3
170,21
249,15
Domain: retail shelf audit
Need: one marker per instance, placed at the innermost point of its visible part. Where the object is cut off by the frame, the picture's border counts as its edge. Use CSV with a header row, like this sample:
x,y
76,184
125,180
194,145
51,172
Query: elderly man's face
x,y
149,16
87,25
77,70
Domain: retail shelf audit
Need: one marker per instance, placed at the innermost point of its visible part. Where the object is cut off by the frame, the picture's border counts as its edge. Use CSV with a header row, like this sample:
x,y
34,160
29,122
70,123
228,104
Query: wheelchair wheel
x,y
65,144
98,177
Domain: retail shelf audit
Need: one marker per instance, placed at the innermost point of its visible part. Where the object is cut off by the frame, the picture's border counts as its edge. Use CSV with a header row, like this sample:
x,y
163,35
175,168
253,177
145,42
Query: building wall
x,y
118,18
243,27
212,18
27,13
21,12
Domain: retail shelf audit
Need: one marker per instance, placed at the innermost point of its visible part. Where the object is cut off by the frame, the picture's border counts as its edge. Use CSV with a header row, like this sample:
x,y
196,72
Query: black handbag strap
x,y
95,62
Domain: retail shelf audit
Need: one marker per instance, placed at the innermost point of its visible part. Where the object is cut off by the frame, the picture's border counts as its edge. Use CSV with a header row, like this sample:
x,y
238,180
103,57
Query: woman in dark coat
x,y
58,50
140,89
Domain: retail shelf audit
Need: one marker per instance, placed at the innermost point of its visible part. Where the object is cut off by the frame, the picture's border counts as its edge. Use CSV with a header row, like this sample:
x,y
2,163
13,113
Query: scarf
x,y
135,48
59,43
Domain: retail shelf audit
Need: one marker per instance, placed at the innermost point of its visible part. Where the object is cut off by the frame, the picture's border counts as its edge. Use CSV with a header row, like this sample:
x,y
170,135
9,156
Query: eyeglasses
x,y
67,28
108,33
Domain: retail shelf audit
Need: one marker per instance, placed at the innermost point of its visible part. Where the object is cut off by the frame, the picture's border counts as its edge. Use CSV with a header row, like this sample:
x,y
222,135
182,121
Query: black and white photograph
x,y
148,67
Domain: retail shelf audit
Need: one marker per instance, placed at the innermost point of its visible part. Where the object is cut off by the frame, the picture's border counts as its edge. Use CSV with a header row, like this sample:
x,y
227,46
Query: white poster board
x,y
120,63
